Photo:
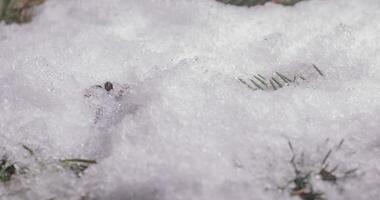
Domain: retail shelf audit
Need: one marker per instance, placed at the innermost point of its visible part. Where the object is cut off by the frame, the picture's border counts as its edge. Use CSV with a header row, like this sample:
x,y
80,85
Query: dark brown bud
x,y
108,86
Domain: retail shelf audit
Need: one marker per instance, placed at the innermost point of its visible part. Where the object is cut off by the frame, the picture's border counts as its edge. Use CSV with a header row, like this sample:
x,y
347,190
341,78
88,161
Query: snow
x,y
187,128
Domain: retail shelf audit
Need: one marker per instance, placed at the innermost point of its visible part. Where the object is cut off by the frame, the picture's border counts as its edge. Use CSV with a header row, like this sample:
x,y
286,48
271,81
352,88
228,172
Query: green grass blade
x,y
78,160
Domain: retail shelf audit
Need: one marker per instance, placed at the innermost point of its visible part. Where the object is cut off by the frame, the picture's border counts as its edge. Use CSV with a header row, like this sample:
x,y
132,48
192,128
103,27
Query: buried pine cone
x,y
17,11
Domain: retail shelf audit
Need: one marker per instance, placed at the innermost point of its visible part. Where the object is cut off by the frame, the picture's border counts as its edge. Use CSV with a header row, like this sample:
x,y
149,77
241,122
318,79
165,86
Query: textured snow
x,y
186,128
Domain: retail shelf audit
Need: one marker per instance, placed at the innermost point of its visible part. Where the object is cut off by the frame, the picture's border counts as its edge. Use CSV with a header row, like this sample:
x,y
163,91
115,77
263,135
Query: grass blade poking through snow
x,y
302,186
77,165
7,170
17,11
302,182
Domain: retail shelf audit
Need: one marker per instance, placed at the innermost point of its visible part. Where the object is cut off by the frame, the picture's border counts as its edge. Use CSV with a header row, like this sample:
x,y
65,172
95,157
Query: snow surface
x,y
195,132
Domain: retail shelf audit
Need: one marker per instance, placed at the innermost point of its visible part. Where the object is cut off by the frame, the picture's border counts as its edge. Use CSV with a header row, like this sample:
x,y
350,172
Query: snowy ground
x,y
187,128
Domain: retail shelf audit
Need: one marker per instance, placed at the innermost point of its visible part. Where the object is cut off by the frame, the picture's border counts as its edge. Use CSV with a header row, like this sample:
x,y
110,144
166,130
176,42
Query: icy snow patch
x,y
197,132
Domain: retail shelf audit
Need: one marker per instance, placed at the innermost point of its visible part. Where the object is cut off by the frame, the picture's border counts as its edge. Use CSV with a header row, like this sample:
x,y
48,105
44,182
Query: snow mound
x,y
187,128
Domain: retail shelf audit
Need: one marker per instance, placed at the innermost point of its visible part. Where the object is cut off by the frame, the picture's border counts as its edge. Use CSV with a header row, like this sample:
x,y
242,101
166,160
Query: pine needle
x,y
277,82
261,77
261,80
31,152
303,78
349,172
284,78
318,70
245,83
326,157
256,84
78,160
340,145
273,85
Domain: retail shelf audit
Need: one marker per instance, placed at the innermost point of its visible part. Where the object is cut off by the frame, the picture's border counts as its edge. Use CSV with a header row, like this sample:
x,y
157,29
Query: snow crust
x,y
190,129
